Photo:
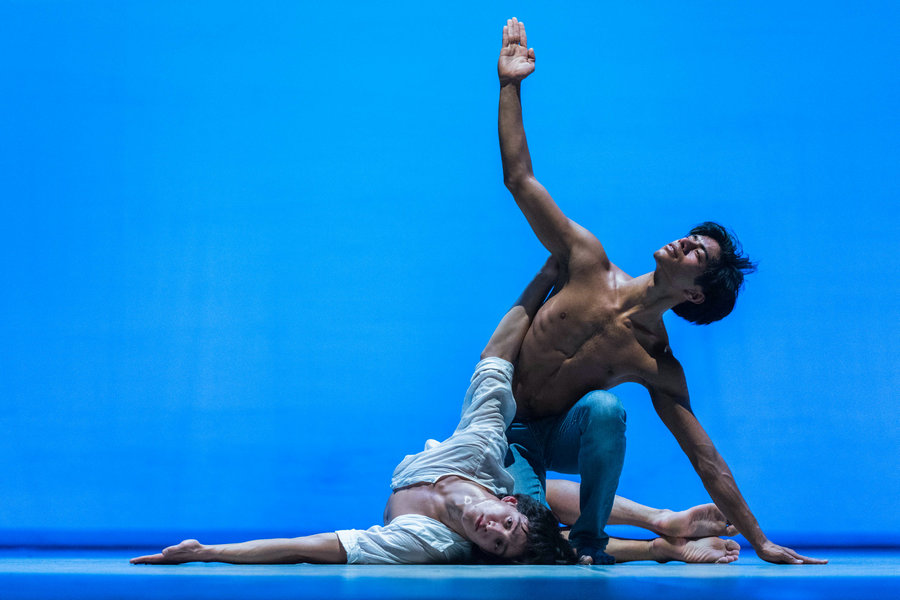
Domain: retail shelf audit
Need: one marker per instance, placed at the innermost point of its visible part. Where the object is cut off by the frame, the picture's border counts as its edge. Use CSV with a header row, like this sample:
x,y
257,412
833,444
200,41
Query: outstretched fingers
x,y
512,37
148,559
806,560
774,553
516,60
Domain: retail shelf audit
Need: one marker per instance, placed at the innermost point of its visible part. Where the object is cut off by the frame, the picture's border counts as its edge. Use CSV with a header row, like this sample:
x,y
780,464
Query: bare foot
x,y
700,521
704,550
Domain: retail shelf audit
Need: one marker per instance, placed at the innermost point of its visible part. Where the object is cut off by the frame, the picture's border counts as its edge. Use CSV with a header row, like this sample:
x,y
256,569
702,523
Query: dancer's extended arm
x,y
673,406
564,238
319,548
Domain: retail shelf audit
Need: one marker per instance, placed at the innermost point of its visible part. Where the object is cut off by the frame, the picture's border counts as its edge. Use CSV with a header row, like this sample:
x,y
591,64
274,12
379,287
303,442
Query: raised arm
x,y
507,338
673,407
320,548
555,231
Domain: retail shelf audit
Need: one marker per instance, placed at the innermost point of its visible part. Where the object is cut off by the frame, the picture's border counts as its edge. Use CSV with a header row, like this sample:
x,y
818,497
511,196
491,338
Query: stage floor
x,y
70,574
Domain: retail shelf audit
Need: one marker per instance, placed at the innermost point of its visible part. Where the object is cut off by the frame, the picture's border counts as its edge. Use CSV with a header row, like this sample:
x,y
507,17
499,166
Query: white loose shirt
x,y
475,451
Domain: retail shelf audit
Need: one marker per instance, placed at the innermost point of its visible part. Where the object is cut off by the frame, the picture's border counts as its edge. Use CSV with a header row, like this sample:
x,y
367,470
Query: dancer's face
x,y
496,526
681,262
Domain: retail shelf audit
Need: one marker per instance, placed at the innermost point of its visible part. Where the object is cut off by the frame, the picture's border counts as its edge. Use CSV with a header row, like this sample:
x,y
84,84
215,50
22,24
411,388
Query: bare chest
x,y
431,499
572,349
420,499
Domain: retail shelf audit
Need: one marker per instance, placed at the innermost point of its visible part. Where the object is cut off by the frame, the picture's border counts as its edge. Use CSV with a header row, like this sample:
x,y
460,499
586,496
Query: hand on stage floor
x,y
186,551
516,59
774,553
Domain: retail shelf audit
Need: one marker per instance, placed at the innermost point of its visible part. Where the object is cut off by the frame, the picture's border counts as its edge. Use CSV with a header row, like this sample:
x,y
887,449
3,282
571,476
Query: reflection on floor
x,y
45,574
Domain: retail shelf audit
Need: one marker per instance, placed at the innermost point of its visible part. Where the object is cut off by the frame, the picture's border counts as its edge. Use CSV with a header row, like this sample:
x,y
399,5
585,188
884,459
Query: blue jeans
x,y
588,440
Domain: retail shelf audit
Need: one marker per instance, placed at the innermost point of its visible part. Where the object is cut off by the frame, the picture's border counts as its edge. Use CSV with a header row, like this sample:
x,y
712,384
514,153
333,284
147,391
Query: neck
x,y
648,297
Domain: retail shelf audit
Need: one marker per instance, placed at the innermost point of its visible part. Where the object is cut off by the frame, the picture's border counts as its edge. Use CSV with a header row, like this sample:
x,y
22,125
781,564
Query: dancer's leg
x,y
662,549
699,521
524,461
590,440
563,497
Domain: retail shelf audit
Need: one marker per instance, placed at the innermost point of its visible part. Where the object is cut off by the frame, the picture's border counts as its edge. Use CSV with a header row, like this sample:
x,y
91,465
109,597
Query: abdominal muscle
x,y
567,354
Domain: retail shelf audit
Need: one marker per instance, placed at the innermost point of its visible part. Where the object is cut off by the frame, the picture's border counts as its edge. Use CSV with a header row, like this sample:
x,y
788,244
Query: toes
x,y
726,559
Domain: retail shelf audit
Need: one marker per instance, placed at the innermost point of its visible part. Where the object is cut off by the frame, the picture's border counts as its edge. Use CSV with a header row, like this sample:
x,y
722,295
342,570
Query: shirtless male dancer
x,y
602,328
451,501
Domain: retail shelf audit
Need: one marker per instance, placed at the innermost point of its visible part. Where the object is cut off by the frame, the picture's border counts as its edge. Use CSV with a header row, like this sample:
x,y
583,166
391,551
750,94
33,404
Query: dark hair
x,y
544,544
722,280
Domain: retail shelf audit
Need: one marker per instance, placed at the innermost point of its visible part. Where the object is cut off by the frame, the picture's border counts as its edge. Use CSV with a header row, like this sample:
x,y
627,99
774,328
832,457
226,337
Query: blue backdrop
x,y
250,254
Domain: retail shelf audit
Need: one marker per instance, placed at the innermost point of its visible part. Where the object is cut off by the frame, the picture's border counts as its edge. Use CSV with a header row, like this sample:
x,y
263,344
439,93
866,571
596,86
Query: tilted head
x,y
722,278
521,530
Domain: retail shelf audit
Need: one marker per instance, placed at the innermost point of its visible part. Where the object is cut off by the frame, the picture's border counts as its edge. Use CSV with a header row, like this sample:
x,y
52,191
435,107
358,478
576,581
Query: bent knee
x,y
602,406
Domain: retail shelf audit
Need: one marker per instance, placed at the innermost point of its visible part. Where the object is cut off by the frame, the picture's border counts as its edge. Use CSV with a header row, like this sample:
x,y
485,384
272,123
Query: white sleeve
x,y
402,542
489,402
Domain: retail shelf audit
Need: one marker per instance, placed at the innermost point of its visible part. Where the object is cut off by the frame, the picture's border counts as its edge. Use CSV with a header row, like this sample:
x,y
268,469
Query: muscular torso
x,y
430,499
585,338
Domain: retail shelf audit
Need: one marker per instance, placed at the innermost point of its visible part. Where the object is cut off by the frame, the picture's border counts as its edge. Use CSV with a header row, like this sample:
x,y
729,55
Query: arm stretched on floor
x,y
507,338
320,548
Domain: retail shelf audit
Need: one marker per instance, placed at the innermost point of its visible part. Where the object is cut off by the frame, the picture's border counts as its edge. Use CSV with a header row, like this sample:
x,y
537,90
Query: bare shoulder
x,y
666,377
587,253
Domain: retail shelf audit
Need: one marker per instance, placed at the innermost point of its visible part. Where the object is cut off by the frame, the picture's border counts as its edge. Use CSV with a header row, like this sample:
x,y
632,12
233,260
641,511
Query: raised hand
x,y
186,551
516,58
774,553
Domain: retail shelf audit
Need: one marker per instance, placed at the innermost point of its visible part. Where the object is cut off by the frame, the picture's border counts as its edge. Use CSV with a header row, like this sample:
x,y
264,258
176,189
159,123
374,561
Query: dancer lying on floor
x,y
450,501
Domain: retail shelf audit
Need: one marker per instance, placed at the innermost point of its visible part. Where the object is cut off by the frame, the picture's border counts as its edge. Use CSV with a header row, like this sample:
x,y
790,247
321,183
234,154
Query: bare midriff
x,y
581,340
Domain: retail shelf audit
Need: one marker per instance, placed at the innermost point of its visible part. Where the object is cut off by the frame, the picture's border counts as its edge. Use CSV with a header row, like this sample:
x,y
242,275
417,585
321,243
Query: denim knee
x,y
529,477
601,410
